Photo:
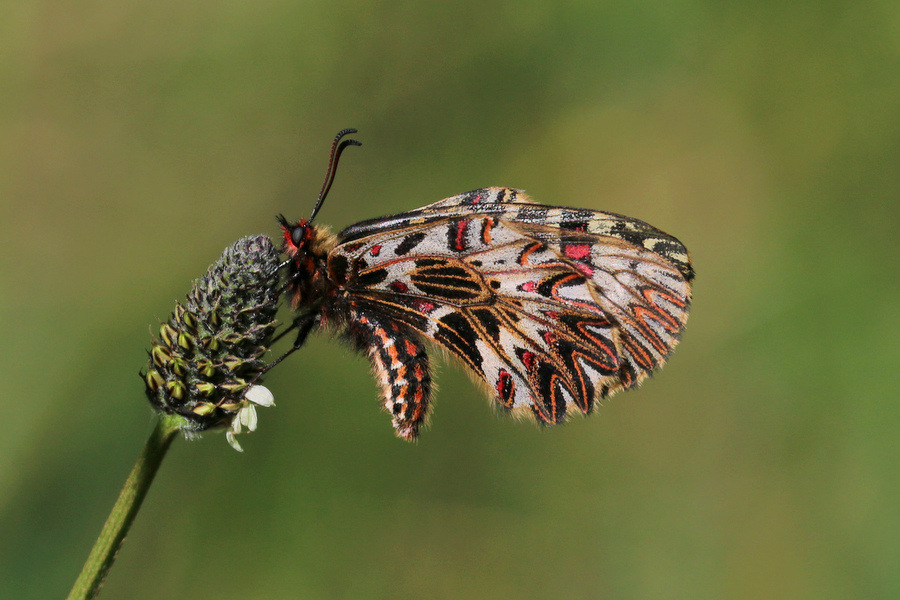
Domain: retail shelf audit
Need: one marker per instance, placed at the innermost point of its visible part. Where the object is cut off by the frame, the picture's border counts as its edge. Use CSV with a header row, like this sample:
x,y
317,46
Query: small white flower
x,y
229,436
260,395
246,415
248,418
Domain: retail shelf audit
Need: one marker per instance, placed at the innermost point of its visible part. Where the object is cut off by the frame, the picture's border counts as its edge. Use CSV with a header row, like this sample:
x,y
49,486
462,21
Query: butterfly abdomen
x,y
401,367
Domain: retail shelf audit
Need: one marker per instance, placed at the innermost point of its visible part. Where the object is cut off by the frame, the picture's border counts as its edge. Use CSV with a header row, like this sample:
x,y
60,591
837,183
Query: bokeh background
x,y
139,139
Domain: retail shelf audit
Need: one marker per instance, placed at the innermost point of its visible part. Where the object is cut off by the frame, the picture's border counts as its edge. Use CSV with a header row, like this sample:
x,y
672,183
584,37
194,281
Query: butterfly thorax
x,y
307,246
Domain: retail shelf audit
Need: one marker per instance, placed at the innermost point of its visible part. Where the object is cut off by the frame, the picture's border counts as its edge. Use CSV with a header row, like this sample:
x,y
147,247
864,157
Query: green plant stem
x,y
125,510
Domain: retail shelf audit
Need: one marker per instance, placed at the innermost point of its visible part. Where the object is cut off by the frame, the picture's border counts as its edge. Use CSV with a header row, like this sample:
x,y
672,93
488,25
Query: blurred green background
x,y
139,139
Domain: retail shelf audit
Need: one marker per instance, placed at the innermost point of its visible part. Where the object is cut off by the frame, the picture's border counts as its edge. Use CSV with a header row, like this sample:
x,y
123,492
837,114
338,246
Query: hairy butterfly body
x,y
553,308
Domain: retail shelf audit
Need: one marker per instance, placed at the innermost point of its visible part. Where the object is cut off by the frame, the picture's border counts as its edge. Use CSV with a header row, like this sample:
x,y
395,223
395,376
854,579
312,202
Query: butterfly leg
x,y
401,365
304,324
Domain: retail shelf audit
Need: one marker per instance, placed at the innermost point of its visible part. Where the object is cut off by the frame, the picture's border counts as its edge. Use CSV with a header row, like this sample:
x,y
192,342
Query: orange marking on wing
x,y
642,313
610,352
523,260
674,300
553,292
638,353
554,396
582,398
670,323
486,231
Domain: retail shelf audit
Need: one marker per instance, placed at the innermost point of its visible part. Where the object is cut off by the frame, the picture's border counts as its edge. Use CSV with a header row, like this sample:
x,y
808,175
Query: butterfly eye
x,y
297,235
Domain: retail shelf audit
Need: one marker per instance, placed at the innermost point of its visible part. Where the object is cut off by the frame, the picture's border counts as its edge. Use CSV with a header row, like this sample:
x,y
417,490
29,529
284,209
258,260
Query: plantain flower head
x,y
206,363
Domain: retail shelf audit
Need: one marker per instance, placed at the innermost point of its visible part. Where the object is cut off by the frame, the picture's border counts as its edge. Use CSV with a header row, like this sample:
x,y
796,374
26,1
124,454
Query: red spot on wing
x,y
527,359
578,251
461,227
376,250
399,287
424,306
506,387
585,269
529,286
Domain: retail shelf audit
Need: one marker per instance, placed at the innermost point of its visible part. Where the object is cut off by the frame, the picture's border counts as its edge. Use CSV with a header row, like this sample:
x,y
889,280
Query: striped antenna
x,y
336,149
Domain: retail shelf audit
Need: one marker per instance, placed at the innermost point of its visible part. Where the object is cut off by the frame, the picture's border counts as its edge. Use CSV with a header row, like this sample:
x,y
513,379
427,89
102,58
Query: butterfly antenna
x,y
336,149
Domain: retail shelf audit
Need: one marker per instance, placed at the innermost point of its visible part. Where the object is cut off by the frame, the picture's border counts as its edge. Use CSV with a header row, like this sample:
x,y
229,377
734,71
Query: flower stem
x,y
125,510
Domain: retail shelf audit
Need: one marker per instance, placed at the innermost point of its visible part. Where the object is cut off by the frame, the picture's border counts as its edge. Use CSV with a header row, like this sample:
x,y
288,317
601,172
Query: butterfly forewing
x,y
551,307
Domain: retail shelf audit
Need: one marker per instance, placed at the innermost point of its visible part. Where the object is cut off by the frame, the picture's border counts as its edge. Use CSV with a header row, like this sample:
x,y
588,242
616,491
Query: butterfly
x,y
553,308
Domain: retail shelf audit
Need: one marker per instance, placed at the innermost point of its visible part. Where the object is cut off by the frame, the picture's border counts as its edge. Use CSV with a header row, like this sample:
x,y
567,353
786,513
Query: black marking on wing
x,y
456,332
409,242
488,320
370,278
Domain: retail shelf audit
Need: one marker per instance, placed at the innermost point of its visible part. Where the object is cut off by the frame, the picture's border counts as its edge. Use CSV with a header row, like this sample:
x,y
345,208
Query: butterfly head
x,y
297,236
306,246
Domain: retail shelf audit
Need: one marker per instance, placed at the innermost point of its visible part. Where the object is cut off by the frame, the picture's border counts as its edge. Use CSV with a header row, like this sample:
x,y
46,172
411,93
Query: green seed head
x,y
209,354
